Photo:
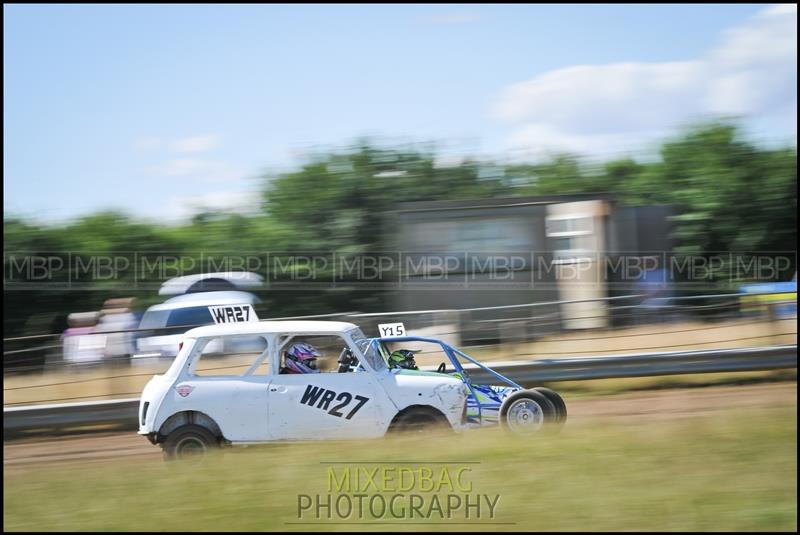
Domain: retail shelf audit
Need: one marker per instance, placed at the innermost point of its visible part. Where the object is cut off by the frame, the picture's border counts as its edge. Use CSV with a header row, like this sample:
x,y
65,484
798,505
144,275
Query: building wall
x,y
475,234
534,229
576,231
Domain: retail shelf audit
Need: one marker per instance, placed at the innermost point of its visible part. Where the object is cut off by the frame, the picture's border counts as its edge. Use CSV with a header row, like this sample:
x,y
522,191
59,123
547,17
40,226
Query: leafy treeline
x,y
731,195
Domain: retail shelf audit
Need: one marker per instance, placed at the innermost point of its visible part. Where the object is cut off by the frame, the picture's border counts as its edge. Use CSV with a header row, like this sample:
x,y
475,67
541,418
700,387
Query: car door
x,y
237,404
327,406
230,388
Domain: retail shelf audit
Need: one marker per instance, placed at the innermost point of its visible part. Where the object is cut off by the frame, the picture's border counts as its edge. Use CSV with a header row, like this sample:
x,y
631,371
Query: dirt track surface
x,y
629,407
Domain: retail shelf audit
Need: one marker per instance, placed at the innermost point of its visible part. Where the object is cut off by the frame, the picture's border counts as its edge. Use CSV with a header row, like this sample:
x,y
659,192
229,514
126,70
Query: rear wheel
x,y
527,412
189,442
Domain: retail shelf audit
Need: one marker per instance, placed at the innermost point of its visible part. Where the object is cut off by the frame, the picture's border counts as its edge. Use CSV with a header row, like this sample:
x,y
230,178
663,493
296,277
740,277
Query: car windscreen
x,y
369,350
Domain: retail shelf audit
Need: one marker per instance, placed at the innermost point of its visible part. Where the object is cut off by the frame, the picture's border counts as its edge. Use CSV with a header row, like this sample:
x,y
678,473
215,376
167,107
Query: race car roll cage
x,y
452,354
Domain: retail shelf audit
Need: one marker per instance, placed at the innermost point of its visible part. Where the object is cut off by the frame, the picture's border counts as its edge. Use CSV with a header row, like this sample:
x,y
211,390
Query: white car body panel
x,y
443,394
259,408
290,419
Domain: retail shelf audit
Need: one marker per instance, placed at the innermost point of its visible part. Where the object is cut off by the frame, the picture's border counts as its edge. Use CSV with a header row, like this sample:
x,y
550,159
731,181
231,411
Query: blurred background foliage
x,y
731,194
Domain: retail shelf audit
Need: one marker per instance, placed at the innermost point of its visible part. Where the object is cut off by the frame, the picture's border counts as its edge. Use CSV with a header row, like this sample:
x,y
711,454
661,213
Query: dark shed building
x,y
501,252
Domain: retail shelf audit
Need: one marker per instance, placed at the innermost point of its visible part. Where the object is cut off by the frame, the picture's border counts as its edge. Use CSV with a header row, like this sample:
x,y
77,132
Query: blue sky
x,y
158,110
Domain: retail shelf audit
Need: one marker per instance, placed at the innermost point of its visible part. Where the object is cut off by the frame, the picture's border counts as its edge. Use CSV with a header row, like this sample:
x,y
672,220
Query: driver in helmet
x,y
403,358
300,358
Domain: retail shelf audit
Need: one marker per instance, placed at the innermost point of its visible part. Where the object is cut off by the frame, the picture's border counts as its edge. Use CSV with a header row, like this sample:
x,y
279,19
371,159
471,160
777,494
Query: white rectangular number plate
x,y
232,313
391,329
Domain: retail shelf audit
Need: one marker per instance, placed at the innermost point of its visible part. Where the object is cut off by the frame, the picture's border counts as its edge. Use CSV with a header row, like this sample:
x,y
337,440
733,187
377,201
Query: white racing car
x,y
293,380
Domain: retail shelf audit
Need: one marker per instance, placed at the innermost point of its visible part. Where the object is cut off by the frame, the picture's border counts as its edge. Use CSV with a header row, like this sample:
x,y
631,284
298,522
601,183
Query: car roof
x,y
268,327
240,279
229,297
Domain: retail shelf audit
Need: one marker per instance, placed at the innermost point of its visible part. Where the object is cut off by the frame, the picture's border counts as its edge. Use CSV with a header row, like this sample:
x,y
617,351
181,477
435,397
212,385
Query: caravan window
x,y
190,316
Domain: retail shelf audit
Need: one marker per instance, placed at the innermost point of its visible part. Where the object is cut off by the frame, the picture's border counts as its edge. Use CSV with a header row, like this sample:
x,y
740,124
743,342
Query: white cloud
x,y
548,140
782,9
178,167
450,18
607,108
148,143
195,144
197,170
178,209
605,98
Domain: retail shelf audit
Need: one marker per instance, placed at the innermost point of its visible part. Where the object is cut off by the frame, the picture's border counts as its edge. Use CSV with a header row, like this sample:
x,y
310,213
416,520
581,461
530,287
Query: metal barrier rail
x,y
646,364
124,412
61,415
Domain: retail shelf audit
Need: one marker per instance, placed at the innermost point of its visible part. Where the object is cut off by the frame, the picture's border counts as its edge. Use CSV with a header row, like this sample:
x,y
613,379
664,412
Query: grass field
x,y
734,470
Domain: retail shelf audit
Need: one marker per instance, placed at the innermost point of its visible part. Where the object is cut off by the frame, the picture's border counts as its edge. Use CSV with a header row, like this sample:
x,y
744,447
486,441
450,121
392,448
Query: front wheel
x,y
557,401
527,412
189,442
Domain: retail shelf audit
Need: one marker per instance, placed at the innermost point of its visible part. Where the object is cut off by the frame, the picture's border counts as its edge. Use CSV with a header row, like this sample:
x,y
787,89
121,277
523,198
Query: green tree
x,y
730,194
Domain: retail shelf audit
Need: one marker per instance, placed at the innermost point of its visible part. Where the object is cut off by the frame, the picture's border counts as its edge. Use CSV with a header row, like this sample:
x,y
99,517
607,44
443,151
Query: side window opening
x,y
312,354
425,354
372,352
232,356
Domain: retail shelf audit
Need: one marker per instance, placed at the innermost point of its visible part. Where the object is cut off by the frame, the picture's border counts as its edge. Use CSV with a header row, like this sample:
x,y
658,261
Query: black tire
x,y
419,420
189,442
527,412
557,400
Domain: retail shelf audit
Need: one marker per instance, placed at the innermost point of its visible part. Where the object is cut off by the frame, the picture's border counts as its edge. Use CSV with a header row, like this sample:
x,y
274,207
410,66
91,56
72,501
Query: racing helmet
x,y
301,358
403,358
